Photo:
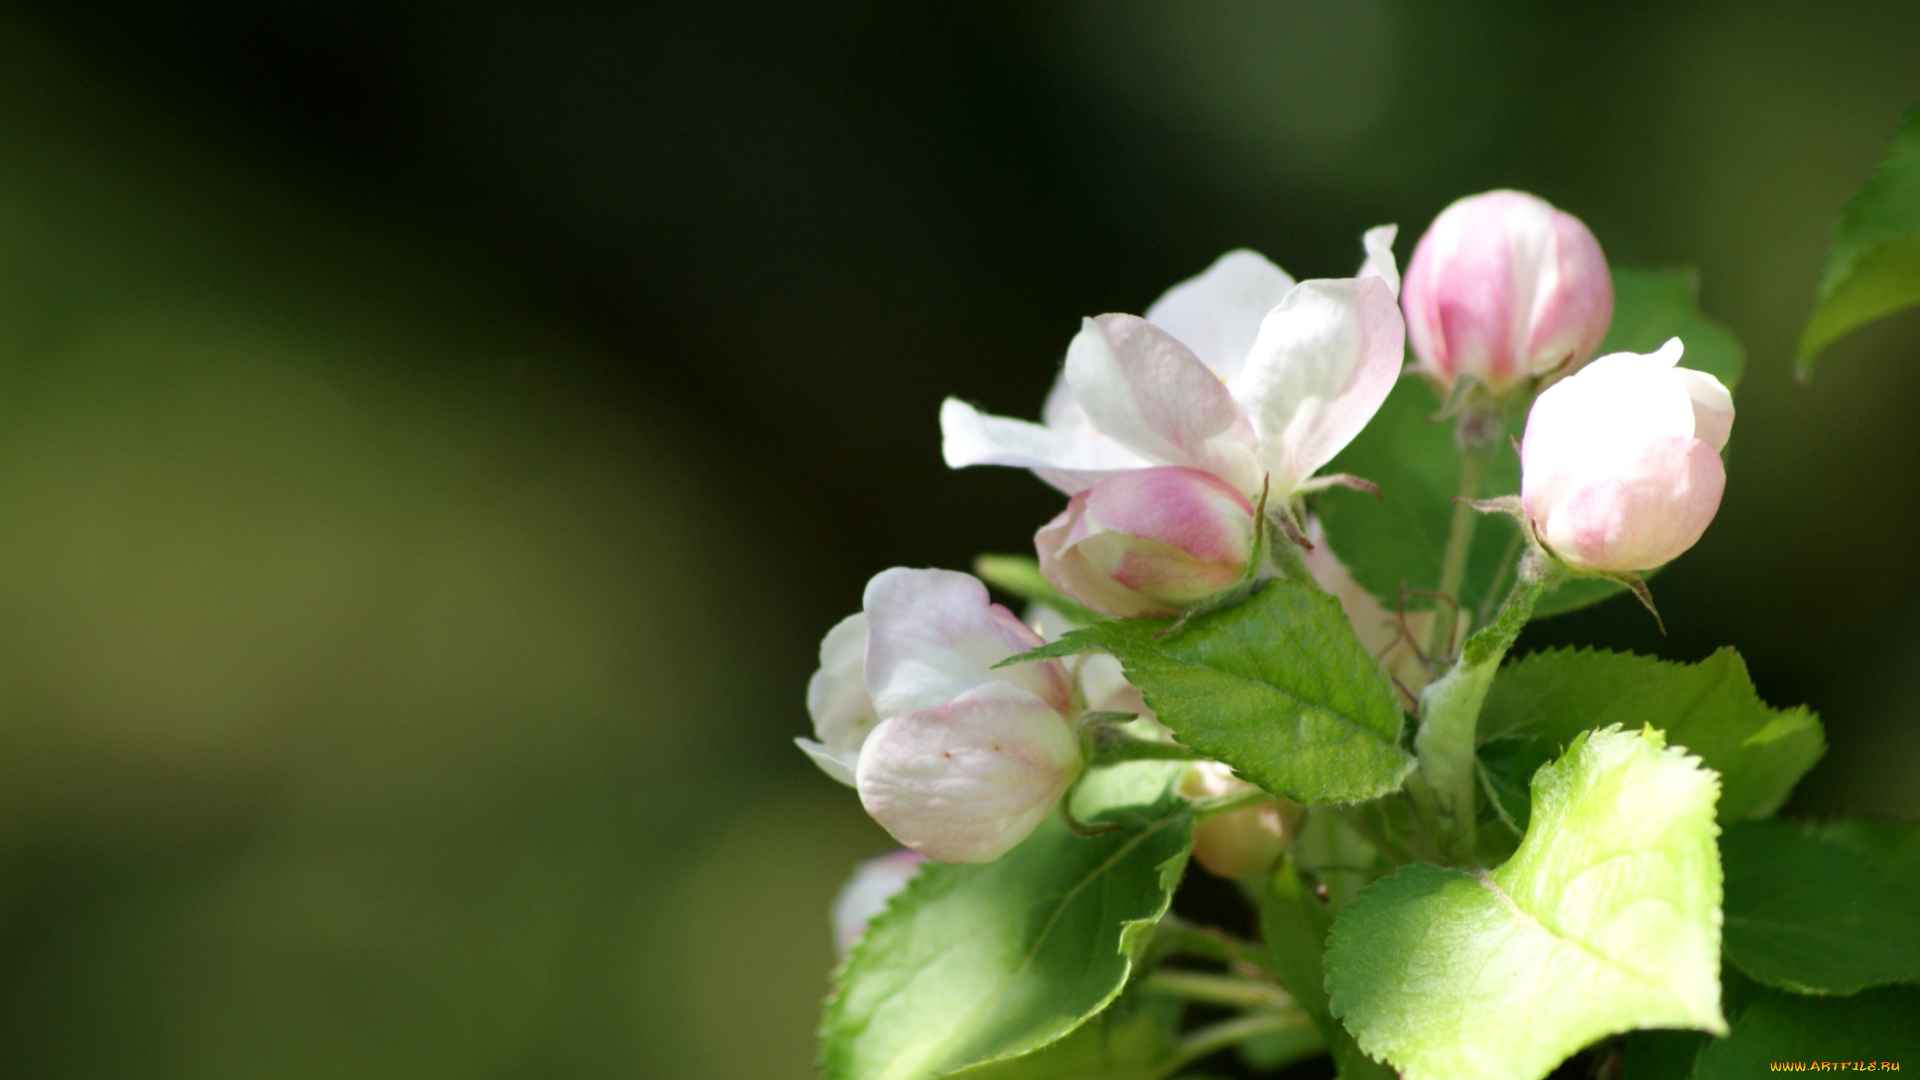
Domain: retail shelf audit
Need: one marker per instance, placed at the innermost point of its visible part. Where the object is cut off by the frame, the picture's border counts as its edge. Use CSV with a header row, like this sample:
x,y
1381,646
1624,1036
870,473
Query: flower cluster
x,y
1190,441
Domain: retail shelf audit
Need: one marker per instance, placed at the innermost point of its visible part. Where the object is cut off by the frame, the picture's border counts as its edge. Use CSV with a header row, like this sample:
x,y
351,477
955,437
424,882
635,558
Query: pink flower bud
x,y
866,894
1504,287
1620,467
1148,541
1245,842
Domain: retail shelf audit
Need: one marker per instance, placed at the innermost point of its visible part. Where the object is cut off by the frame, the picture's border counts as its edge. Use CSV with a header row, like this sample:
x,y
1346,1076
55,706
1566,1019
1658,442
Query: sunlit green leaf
x,y
1873,263
1711,708
1808,915
1277,687
974,964
1605,920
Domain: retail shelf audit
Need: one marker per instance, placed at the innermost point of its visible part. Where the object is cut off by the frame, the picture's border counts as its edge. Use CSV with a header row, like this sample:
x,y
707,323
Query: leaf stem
x,y
1226,1033
1445,783
1474,455
1228,990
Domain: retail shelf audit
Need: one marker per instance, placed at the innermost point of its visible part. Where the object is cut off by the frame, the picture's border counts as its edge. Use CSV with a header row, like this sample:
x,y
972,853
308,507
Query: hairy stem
x,y
1228,990
1474,455
1445,783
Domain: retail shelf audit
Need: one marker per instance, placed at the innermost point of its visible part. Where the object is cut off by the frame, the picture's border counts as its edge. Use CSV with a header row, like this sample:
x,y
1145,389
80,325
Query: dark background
x,y
434,436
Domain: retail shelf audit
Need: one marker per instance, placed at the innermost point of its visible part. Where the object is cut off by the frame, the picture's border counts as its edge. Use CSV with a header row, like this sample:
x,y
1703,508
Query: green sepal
x,y
1808,915
981,963
1873,261
1711,708
1605,920
1277,687
1020,575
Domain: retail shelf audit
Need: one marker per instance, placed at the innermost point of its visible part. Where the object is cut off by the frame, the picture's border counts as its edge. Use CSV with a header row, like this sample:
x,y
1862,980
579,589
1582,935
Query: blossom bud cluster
x,y
1184,440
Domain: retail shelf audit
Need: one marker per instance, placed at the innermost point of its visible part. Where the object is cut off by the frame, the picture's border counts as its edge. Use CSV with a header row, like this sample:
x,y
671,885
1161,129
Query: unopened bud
x,y
1242,843
1502,288
1620,467
1149,541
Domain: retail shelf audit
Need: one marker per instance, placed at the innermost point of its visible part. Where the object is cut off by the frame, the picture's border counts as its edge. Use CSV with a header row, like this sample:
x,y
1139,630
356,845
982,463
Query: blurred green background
x,y
434,436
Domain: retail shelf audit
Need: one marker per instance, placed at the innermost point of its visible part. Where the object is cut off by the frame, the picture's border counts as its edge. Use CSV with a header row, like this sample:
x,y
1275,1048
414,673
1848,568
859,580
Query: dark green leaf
x,y
1891,847
1605,920
1397,540
1710,708
1873,263
1808,915
1294,923
1277,687
1878,1026
974,964
1651,306
1508,764
1662,1055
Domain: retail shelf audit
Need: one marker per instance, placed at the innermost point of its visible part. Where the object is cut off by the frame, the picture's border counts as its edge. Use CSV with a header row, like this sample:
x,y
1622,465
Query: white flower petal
x,y
837,698
868,891
1712,406
839,764
1218,313
1378,242
935,634
1071,455
968,780
1150,393
1325,360
1589,425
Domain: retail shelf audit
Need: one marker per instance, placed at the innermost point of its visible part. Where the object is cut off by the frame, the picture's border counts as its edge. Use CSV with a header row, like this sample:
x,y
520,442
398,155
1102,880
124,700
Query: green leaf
x,y
1711,708
1398,539
1877,1026
1277,687
974,964
1605,920
1891,847
1873,262
1128,1041
1650,306
1294,923
1810,916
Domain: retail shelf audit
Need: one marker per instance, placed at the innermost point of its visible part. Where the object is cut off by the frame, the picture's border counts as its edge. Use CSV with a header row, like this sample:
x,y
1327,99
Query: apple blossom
x,y
1620,465
1239,372
837,700
1149,541
1243,842
1503,287
957,759
866,894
